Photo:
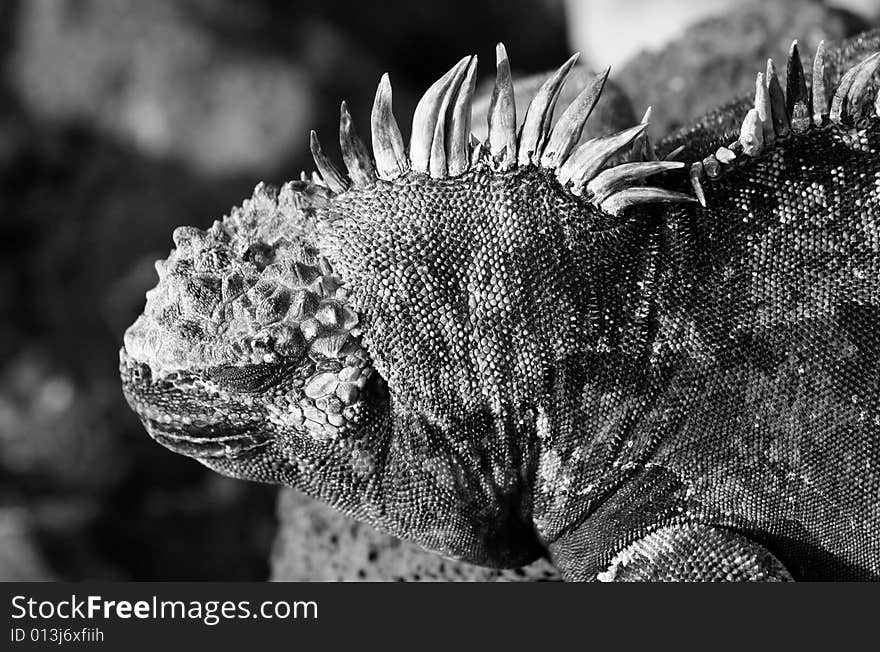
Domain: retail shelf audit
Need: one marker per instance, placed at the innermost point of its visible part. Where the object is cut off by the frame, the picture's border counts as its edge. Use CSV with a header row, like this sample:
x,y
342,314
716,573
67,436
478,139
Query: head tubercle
x,y
250,289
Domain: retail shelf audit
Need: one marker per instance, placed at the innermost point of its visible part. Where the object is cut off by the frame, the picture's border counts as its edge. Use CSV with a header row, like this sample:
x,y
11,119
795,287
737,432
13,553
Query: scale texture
x,y
504,358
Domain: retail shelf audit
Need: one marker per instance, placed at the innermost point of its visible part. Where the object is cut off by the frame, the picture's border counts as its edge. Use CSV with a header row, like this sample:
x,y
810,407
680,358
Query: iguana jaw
x,y
181,412
485,520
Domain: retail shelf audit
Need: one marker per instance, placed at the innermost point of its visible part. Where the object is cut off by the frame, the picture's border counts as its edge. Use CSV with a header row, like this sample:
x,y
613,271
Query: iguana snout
x,y
184,417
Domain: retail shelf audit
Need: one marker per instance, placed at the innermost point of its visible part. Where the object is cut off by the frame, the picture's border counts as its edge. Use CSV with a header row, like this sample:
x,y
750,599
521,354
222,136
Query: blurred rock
x,y
20,558
610,32
148,74
717,59
52,432
80,214
316,543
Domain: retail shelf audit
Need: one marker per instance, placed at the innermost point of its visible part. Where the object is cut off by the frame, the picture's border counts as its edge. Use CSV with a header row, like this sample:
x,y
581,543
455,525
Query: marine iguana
x,y
519,347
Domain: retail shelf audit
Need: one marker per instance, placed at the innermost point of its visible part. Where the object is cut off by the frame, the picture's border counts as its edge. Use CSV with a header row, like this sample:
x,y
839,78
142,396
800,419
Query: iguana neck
x,y
522,266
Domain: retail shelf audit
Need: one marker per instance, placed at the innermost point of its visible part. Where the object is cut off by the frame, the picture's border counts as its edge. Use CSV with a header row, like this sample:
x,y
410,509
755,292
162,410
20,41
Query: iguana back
x,y
499,348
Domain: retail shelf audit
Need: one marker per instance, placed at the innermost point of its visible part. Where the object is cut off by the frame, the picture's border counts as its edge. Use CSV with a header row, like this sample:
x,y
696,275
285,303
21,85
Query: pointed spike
x,y
643,148
303,176
437,161
796,92
820,86
458,138
589,158
856,95
567,131
354,152
613,179
725,156
502,113
317,180
696,177
751,135
389,148
779,112
837,112
674,154
762,106
642,195
476,149
539,114
333,178
425,119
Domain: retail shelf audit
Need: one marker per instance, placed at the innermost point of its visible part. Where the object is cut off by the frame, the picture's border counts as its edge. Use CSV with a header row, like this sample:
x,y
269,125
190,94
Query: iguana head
x,y
395,341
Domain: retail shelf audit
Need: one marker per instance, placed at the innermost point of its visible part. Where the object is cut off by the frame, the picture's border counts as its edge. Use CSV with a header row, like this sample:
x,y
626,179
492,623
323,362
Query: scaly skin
x,y
673,392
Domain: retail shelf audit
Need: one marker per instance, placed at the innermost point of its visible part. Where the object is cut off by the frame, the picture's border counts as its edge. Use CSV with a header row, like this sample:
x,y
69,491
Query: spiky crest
x,y
774,117
442,145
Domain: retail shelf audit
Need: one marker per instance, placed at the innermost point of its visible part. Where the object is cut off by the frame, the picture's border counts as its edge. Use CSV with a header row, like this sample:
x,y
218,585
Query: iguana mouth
x,y
190,424
225,445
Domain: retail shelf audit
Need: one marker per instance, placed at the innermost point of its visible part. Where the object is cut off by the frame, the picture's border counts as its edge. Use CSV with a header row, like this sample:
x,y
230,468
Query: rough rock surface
x,y
316,543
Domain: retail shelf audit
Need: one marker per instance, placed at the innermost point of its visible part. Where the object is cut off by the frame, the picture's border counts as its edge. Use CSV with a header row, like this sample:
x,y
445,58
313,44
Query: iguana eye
x,y
248,379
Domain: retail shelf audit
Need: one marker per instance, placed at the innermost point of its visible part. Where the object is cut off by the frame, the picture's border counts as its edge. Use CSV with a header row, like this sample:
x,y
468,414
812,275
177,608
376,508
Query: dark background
x,y
121,120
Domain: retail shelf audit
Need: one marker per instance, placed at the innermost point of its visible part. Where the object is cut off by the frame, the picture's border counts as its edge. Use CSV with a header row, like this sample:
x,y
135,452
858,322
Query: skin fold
x,y
486,358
